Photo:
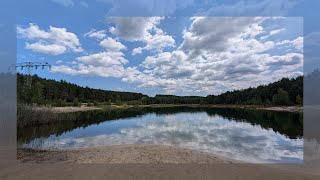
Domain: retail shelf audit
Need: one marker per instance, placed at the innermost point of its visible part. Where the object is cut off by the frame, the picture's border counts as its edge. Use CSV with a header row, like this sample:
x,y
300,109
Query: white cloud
x,y
96,34
53,49
286,60
273,32
90,70
142,29
57,38
296,43
217,54
112,45
133,28
157,42
215,34
104,59
65,3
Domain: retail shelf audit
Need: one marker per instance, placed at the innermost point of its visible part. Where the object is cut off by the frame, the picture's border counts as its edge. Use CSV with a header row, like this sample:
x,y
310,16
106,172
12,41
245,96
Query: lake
x,y
247,135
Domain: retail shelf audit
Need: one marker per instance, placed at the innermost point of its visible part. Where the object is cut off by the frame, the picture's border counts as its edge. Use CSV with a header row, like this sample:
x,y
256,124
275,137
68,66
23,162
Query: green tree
x,y
281,98
299,100
76,102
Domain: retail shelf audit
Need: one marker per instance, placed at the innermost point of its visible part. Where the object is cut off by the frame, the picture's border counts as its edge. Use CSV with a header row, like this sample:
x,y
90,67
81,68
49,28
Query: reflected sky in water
x,y
194,130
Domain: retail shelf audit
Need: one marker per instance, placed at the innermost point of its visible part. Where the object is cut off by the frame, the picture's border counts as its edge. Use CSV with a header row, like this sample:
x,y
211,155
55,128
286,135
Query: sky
x,y
163,54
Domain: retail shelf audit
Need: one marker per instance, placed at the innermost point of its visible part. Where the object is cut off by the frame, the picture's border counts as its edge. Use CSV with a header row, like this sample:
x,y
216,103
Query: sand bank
x,y
141,162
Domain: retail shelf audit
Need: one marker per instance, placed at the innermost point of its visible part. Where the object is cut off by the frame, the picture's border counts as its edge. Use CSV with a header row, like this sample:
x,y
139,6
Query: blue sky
x,y
92,43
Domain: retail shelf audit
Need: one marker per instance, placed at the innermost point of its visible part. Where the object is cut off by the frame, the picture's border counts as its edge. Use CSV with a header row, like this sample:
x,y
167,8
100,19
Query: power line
x,y
28,68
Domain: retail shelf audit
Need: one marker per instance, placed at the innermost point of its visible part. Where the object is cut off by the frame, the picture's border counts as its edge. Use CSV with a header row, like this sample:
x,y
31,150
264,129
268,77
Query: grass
x,y
28,115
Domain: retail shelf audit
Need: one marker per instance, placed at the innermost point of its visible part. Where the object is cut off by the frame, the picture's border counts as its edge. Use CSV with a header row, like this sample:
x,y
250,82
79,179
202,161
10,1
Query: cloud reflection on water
x,y
213,134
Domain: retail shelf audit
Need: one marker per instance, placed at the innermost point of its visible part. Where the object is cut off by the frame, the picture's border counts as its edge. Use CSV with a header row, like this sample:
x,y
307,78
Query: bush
x,y
76,102
135,102
281,98
95,103
60,103
299,100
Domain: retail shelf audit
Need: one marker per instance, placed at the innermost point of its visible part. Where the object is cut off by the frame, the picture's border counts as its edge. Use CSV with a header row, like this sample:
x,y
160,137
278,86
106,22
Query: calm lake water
x,y
252,136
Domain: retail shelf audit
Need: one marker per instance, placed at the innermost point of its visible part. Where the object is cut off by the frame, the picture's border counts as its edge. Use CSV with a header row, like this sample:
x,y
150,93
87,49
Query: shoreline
x,y
122,154
70,109
150,155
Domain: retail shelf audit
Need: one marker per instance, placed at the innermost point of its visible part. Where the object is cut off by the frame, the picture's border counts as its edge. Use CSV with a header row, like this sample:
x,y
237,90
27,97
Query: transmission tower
x,y
28,67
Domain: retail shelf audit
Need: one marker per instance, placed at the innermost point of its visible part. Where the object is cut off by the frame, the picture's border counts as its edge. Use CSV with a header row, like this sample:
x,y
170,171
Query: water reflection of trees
x,y
289,124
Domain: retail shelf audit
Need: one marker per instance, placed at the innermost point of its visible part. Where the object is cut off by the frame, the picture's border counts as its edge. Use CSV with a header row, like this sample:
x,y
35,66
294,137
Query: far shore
x,y
69,109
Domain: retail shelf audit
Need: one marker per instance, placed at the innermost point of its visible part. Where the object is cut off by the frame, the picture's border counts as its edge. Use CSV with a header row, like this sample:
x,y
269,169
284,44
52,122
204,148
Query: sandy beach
x,y
284,109
74,109
123,154
141,162
92,108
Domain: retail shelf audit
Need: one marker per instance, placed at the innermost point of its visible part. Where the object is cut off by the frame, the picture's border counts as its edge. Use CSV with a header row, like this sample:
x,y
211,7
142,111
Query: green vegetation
x,y
33,115
281,98
61,93
283,92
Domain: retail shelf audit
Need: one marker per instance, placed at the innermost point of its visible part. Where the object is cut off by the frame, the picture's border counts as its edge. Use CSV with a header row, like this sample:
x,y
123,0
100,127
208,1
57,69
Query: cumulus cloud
x,y
216,34
82,69
54,41
296,43
286,60
112,45
133,28
104,59
141,29
216,54
53,49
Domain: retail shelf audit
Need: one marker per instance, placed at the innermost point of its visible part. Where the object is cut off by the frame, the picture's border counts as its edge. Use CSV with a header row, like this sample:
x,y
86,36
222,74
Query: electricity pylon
x,y
28,67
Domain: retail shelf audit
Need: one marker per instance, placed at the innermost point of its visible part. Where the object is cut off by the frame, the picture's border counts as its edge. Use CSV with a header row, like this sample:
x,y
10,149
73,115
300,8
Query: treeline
x,y
284,92
61,93
171,99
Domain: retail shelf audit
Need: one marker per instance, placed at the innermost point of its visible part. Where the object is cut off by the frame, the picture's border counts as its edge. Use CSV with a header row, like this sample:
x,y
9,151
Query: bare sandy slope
x,y
91,108
140,162
285,108
74,109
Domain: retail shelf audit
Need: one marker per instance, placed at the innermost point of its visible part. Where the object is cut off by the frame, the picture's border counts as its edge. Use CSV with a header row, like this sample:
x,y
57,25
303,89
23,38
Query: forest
x,y
61,93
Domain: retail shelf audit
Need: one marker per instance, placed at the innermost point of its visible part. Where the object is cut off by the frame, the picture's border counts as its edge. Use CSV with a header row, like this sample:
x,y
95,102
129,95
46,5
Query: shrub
x,y
281,98
299,100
